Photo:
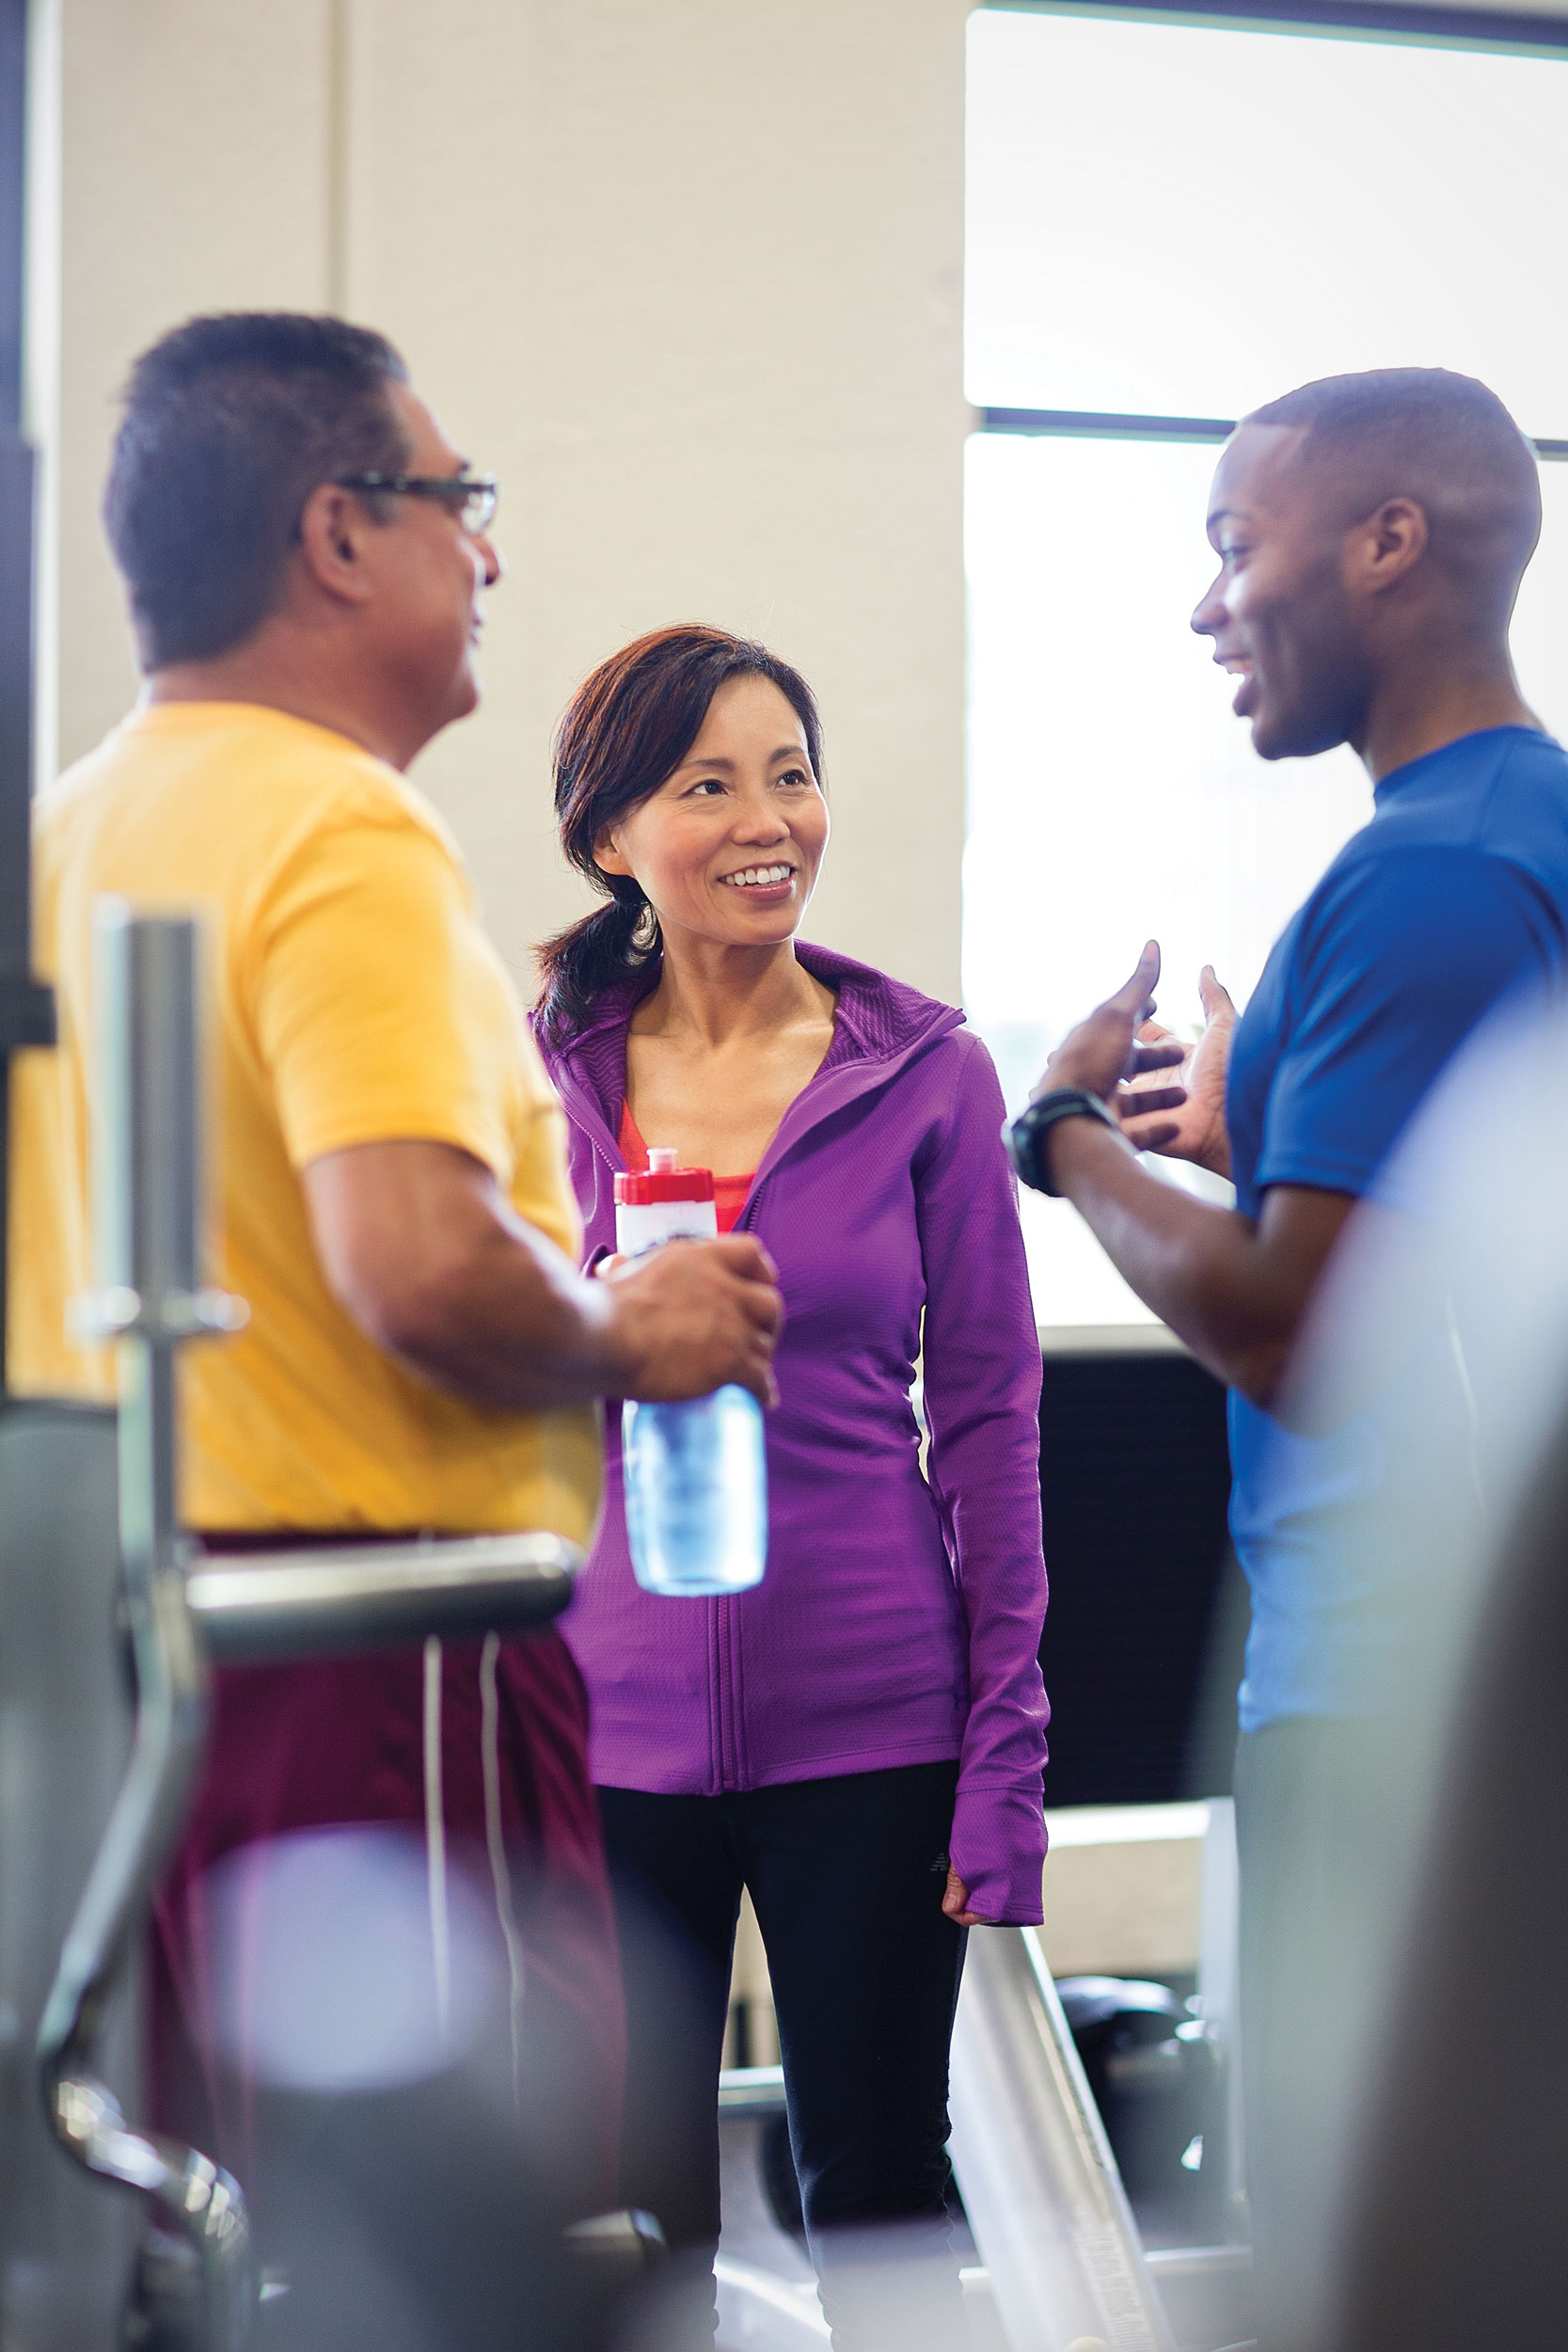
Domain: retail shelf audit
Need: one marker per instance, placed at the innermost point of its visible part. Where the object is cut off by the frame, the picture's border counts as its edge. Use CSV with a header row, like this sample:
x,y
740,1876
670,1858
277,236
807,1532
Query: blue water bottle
x,y
694,1475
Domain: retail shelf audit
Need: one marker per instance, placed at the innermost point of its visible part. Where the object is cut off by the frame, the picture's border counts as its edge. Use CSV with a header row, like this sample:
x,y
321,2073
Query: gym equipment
x,y
1061,2262
64,1734
1040,2183
149,1202
183,1608
1155,2077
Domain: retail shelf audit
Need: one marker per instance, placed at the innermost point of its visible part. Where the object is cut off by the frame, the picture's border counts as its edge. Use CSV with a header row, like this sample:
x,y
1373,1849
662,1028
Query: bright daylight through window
x,y
1178,221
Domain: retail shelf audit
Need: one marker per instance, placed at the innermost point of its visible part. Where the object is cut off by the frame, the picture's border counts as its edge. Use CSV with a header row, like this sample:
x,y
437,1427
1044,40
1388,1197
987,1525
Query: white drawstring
x,y
496,1843
435,1840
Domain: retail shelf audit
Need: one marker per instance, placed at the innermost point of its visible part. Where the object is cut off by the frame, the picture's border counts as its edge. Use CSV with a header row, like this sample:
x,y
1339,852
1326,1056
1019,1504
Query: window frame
x,y
1515,32
1511,35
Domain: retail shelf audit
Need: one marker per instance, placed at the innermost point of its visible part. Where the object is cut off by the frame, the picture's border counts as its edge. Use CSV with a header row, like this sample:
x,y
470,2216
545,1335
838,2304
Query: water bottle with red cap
x,y
695,1474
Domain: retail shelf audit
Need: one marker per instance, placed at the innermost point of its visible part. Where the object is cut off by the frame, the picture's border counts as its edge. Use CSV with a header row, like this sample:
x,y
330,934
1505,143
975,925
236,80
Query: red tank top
x,y
729,1192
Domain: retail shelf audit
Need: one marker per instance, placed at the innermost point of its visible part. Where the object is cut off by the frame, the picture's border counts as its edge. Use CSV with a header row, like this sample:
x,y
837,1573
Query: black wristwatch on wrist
x,y
1025,1135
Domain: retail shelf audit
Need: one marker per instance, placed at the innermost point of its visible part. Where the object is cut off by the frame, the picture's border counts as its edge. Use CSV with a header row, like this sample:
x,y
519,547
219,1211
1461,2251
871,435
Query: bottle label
x,y
644,1226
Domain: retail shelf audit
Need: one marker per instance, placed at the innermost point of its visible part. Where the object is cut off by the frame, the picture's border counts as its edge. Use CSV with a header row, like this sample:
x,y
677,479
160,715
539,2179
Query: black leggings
x,y
847,1877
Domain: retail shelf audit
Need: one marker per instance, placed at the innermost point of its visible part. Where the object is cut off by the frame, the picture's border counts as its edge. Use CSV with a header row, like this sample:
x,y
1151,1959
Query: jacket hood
x,y
882,1024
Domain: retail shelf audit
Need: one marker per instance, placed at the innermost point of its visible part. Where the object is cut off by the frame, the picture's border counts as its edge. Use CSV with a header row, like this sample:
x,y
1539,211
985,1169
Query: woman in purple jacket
x,y
859,1739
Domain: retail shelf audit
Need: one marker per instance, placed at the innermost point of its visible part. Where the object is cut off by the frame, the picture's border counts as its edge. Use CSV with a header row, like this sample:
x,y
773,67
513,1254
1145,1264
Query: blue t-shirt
x,y
1455,893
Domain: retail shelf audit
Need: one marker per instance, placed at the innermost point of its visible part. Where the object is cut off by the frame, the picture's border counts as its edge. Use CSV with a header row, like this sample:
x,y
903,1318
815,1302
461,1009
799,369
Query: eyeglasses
x,y
470,497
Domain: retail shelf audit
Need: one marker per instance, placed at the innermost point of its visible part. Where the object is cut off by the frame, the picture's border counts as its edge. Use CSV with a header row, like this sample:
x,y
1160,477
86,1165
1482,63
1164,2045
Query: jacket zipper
x,y
724,1626
723,1695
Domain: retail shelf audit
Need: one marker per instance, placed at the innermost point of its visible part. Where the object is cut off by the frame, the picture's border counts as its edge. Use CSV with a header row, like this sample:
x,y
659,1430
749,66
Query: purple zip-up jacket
x,y
899,1620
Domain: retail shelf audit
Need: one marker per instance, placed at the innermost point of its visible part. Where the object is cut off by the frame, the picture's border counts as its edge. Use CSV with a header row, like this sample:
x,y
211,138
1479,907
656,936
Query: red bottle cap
x,y
663,1182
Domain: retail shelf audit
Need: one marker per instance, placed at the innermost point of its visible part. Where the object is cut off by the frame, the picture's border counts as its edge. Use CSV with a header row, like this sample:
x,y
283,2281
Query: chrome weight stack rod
x,y
148,1199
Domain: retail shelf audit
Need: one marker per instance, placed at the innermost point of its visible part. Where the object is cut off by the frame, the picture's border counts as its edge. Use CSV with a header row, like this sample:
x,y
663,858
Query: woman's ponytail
x,y
591,954
626,731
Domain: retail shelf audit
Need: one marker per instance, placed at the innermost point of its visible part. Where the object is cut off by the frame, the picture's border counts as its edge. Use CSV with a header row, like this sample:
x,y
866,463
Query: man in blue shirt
x,y
1371,532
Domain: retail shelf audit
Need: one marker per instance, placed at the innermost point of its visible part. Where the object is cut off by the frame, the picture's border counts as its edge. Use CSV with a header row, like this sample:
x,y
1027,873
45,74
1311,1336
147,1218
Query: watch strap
x,y
1025,1135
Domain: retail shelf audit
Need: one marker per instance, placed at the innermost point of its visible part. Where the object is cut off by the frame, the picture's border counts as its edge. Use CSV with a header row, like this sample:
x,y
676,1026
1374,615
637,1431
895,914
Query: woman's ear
x,y
608,854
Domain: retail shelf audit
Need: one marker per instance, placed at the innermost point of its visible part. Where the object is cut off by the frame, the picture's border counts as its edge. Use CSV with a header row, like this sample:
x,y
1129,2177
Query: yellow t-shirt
x,y
355,998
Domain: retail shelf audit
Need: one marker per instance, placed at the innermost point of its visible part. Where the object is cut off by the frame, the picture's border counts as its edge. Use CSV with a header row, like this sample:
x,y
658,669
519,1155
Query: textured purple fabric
x,y
899,1622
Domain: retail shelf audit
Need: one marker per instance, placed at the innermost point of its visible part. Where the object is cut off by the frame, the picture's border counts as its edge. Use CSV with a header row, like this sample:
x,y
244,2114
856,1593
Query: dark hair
x,y
626,730
1424,412
1432,435
230,422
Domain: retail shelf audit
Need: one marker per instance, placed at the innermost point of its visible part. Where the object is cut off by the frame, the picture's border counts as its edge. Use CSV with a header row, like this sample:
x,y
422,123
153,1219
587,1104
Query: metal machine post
x,y
151,1212
1038,2180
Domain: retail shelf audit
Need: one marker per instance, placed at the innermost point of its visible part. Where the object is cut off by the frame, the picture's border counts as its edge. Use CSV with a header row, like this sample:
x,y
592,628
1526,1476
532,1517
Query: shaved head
x,y
1444,441
1372,531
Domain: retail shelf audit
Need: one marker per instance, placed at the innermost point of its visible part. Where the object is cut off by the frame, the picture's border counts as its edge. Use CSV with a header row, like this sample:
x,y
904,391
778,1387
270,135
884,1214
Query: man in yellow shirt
x,y
307,556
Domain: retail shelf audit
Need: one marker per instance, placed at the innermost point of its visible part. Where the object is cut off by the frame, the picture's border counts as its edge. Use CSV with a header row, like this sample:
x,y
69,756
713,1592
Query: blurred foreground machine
x,y
1451,2234
1455,2236
89,1552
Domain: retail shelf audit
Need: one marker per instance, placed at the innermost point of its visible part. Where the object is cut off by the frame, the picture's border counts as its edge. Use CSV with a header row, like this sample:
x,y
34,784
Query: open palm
x,y
1195,1131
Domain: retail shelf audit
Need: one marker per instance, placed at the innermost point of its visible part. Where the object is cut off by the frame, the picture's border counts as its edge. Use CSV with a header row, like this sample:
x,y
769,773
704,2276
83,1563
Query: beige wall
x,y
192,158
686,275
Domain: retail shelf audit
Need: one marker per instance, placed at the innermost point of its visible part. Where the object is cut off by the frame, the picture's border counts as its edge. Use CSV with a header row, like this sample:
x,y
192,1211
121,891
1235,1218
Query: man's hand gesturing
x,y
690,1317
1104,1052
1195,1131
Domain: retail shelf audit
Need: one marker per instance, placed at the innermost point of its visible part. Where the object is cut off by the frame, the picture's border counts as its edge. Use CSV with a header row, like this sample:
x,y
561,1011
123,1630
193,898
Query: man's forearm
x,y
509,1324
1200,1268
423,1248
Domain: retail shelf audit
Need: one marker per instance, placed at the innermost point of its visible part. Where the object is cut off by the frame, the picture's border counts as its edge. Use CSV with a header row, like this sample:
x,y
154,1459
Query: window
x,y
1169,224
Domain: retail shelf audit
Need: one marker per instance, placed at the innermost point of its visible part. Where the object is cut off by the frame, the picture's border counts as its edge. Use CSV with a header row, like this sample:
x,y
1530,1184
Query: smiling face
x,y
1279,610
728,848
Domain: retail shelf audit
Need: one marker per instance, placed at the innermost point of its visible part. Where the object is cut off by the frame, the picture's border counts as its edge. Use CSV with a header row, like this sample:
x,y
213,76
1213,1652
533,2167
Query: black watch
x,y
1025,1135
